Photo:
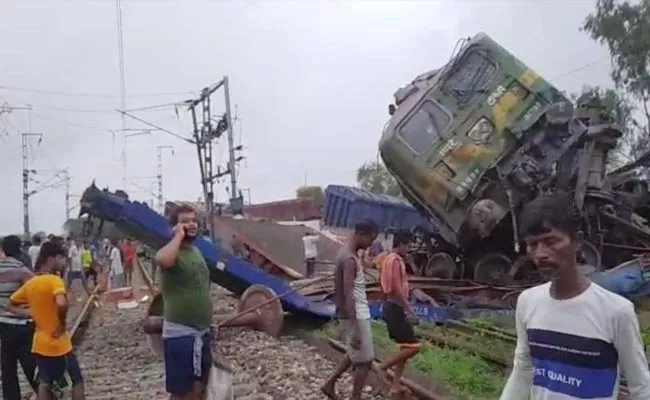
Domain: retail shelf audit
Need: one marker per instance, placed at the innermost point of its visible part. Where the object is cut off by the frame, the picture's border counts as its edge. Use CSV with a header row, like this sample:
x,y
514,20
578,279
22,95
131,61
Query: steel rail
x,y
86,310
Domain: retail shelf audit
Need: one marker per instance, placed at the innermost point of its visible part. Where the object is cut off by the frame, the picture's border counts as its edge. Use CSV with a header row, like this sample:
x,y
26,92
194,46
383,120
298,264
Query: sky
x,y
311,81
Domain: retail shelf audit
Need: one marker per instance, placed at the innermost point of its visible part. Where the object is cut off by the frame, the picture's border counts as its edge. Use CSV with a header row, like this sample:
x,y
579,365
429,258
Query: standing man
x,y
16,328
309,241
574,338
188,309
115,269
76,266
128,250
353,312
87,261
238,248
34,248
105,253
397,311
46,296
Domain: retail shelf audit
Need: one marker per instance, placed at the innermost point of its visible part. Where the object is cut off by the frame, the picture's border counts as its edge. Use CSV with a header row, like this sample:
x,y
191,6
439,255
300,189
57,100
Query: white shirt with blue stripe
x,y
577,348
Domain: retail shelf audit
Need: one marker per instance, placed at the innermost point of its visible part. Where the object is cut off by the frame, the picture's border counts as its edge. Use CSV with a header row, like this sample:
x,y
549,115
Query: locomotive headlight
x,y
481,130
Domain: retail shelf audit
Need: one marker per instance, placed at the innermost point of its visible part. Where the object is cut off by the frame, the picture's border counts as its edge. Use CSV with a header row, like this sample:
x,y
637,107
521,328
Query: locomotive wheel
x,y
590,254
440,265
492,268
270,316
523,271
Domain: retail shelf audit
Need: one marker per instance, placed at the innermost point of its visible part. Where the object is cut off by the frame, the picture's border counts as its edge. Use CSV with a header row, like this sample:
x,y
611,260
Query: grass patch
x,y
464,374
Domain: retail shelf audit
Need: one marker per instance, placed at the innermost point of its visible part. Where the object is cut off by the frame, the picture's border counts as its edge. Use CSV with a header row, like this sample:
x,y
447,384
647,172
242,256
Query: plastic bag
x,y
219,384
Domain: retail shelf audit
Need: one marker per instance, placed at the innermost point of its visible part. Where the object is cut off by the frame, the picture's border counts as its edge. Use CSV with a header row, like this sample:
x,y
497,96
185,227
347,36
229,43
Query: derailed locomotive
x,y
471,142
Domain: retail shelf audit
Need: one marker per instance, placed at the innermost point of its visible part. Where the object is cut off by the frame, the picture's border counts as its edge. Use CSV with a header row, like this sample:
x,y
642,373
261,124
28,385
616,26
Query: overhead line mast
x,y
205,133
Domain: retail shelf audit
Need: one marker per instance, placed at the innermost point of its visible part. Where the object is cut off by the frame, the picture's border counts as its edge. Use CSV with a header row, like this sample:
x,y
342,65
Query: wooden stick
x,y
416,389
269,301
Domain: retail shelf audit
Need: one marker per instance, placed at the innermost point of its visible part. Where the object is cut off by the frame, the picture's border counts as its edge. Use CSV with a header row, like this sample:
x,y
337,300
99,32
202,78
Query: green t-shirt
x,y
186,290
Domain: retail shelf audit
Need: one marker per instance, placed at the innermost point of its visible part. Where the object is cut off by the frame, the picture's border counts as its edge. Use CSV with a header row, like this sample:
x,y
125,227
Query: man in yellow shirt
x,y
87,263
52,347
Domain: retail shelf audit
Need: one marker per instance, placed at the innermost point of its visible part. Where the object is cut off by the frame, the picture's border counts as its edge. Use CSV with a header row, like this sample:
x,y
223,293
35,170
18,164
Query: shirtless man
x,y
353,312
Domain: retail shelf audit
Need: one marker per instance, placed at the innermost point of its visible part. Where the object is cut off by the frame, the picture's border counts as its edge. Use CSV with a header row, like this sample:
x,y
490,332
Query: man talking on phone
x,y
185,282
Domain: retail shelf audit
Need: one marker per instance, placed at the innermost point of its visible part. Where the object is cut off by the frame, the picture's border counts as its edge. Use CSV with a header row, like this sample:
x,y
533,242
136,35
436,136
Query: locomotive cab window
x,y
425,127
470,76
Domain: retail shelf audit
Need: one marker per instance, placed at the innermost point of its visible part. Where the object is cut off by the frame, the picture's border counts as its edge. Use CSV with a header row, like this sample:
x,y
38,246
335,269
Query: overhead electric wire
x,y
71,123
142,188
97,95
176,135
175,104
580,68
75,110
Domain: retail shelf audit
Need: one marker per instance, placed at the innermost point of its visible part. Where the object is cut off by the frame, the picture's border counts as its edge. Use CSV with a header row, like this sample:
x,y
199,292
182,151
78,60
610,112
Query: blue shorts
x,y
180,373
63,370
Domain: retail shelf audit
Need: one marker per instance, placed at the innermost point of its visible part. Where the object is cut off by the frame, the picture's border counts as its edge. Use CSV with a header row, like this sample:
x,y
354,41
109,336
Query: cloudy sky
x,y
311,81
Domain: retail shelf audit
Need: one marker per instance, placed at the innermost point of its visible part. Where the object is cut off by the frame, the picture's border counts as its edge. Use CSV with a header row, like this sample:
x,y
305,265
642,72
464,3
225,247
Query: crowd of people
x,y
36,280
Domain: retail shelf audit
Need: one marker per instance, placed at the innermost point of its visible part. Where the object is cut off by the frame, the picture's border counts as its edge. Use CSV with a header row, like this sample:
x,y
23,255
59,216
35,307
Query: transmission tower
x,y
159,177
26,193
205,133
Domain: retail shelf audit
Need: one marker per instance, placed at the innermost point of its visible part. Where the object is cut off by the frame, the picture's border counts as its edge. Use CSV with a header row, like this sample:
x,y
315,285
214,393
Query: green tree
x,y
625,29
375,178
311,192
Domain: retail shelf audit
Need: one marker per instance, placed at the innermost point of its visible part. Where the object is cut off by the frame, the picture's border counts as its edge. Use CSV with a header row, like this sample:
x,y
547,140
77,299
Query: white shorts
x,y
366,351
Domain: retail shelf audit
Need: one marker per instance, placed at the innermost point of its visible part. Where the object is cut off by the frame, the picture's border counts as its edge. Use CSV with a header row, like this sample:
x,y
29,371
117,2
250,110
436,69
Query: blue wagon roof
x,y
355,194
345,206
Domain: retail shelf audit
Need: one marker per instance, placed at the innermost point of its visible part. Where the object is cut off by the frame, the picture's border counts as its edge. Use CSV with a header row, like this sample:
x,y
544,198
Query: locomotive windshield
x,y
470,76
425,127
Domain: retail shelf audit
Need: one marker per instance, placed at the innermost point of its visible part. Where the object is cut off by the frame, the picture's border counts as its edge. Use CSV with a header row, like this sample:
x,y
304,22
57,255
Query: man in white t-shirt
x,y
34,249
309,241
115,269
574,338
76,269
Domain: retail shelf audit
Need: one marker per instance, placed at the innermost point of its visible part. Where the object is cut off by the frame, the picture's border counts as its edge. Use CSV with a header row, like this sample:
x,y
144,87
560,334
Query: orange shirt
x,y
380,259
39,293
392,276
129,250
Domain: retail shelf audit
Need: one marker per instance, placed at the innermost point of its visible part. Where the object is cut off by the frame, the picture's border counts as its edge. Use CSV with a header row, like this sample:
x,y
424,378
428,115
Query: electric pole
x,y
205,133
26,194
159,176
231,144
120,55
66,175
